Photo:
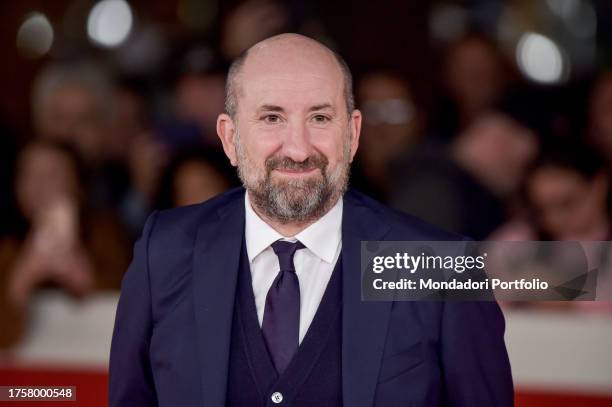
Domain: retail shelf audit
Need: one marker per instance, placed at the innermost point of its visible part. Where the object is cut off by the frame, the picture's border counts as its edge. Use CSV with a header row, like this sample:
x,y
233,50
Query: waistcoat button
x,y
277,397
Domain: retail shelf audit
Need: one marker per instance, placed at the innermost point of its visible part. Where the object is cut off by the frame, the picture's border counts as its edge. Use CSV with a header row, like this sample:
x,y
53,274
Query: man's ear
x,y
226,130
355,131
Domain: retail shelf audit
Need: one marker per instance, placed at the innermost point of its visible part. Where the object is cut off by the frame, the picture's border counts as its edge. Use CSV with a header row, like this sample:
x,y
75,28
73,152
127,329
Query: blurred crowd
x,y
488,156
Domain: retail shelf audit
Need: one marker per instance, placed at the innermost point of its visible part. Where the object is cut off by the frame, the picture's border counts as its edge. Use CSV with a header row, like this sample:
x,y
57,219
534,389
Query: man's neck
x,y
287,229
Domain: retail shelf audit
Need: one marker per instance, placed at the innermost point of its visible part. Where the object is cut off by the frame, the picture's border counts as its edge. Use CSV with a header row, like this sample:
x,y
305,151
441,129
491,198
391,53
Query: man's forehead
x,y
291,90
288,48
291,65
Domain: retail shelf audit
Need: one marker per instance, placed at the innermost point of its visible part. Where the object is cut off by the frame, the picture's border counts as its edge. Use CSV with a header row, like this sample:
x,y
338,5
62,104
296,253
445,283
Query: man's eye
x,y
320,118
271,118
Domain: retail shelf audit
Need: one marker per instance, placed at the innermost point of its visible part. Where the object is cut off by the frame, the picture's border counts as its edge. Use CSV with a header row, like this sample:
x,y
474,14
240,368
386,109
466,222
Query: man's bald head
x,y
285,46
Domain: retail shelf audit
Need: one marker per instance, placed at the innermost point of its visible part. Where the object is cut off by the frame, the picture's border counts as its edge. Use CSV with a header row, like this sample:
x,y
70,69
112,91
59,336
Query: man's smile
x,y
295,172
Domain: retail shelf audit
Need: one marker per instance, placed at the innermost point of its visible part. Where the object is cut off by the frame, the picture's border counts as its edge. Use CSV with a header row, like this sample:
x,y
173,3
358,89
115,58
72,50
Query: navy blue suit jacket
x,y
172,332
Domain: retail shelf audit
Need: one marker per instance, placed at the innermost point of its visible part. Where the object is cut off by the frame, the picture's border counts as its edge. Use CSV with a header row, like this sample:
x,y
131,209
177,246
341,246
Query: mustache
x,y
285,163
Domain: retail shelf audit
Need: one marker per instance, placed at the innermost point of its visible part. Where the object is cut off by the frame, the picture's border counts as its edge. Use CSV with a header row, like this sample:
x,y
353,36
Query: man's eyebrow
x,y
270,108
323,106
275,108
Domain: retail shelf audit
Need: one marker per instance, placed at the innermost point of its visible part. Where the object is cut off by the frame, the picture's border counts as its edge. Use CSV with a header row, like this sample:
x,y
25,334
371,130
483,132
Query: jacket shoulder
x,y
403,226
187,219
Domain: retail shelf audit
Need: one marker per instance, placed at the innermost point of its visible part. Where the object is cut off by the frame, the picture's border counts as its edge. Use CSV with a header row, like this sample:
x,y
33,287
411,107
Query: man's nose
x,y
296,143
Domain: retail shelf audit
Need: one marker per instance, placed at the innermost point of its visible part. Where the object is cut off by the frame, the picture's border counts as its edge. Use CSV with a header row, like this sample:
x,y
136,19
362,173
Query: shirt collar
x,y
322,237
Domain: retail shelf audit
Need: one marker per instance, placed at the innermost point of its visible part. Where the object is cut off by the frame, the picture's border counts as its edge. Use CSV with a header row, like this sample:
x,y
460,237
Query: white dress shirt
x,y
313,265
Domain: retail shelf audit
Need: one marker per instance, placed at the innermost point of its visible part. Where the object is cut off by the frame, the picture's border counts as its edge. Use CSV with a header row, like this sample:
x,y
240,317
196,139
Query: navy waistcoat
x,y
314,375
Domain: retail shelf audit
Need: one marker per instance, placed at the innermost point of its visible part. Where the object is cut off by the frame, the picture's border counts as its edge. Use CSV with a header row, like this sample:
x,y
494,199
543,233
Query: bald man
x,y
253,298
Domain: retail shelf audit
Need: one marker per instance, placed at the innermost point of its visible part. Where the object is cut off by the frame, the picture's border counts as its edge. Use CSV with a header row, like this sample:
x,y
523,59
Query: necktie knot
x,y
285,252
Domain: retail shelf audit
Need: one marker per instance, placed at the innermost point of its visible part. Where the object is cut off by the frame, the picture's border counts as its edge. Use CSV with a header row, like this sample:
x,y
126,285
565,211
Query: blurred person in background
x,y
467,186
194,176
196,88
567,196
146,157
130,117
474,79
566,192
199,97
70,104
64,244
135,157
390,128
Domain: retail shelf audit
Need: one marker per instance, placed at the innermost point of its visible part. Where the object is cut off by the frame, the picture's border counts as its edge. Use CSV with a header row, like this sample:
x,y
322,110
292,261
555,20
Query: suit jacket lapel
x,y
215,269
364,324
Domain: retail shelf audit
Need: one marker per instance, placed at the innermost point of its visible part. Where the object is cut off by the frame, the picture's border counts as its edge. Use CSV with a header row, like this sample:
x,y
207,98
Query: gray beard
x,y
300,201
294,201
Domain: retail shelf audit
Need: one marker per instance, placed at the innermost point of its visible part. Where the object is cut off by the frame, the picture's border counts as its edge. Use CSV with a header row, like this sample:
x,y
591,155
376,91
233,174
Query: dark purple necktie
x,y
281,320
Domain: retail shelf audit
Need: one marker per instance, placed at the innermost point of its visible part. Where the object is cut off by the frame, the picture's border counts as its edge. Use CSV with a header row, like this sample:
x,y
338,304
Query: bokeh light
x,y
540,59
35,36
110,22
